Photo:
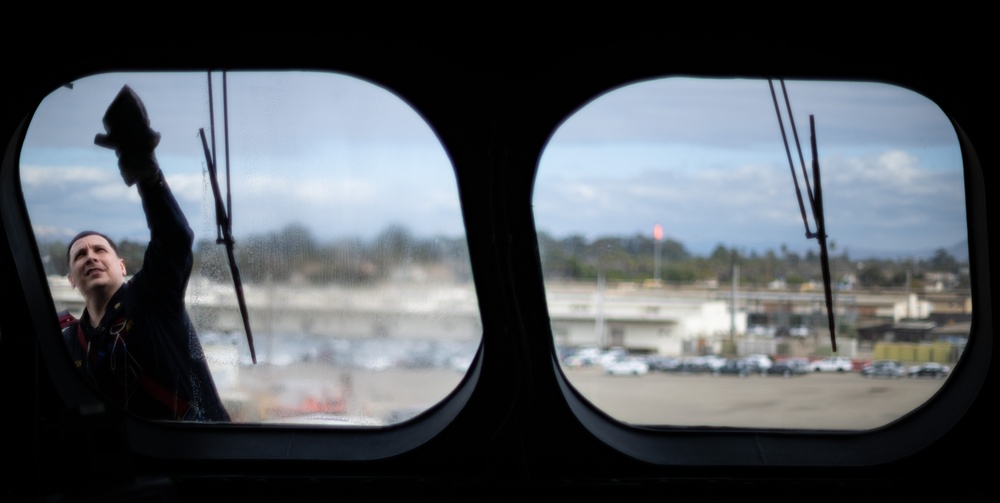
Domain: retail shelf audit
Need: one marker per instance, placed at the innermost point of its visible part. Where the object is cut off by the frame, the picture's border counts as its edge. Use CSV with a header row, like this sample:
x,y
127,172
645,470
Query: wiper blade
x,y
223,212
222,222
824,255
815,201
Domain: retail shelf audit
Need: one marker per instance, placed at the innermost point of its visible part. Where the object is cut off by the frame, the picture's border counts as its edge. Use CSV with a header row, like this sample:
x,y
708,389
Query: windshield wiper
x,y
223,212
815,200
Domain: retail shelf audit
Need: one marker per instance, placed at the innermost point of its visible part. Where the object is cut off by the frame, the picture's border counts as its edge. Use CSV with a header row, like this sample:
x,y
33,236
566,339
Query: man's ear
x,y
122,262
70,278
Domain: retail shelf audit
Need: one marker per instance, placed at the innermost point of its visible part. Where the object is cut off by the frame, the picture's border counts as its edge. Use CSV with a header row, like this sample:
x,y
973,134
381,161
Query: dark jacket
x,y
145,355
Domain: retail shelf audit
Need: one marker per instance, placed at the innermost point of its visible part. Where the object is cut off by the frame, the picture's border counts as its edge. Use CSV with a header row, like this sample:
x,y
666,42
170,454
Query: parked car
x,y
929,369
693,365
582,357
713,362
761,362
628,365
884,368
799,331
663,363
737,366
832,364
762,330
612,354
789,367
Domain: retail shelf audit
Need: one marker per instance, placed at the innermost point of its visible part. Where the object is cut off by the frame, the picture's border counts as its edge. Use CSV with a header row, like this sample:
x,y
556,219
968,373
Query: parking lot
x,y
823,400
835,401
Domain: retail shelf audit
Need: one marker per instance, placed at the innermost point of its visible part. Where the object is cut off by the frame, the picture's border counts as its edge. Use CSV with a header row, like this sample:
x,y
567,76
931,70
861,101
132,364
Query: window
x,y
677,193
348,235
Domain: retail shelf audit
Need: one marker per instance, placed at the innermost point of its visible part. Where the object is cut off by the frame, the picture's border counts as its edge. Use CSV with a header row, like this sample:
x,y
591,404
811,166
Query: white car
x,y
612,355
799,331
833,364
583,357
713,362
626,366
762,330
760,362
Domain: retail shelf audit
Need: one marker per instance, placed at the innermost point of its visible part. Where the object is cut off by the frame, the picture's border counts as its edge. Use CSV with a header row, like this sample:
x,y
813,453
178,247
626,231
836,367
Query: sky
x,y
322,150
346,158
705,159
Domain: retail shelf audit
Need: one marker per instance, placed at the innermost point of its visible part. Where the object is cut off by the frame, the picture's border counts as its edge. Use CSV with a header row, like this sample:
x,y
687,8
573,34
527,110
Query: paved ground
x,y
824,401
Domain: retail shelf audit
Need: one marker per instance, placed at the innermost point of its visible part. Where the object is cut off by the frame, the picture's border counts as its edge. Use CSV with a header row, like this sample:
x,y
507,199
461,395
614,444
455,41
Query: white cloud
x,y
187,187
44,232
111,192
62,176
881,200
704,158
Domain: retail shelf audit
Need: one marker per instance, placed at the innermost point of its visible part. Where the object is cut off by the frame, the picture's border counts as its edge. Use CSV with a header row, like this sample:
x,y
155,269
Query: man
x,y
135,339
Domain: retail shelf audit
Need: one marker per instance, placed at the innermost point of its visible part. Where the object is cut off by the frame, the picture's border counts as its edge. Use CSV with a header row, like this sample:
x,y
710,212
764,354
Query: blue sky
x,y
705,159
346,158
368,160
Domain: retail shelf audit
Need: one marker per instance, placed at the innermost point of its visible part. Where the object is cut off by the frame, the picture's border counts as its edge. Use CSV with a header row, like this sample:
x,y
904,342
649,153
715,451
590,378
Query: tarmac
x,y
826,401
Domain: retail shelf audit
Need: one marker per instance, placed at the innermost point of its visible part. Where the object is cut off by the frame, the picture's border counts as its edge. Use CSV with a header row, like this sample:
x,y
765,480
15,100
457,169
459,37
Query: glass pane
x,y
682,286
347,229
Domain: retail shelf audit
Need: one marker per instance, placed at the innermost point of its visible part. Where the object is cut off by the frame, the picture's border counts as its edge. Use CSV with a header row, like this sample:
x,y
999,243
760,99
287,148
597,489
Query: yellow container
x,y
923,353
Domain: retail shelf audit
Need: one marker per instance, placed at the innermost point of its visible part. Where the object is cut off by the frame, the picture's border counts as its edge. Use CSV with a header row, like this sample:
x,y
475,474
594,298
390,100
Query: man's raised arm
x,y
128,133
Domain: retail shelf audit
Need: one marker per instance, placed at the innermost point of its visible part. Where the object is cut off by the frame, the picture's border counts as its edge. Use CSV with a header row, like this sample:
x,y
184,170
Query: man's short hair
x,y
90,233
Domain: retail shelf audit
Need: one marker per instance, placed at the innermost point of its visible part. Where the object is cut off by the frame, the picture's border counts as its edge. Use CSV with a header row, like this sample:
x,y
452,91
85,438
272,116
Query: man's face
x,y
94,265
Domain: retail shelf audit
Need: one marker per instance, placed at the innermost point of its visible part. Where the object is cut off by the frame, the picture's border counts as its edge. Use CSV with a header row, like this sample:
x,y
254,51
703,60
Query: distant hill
x,y
958,250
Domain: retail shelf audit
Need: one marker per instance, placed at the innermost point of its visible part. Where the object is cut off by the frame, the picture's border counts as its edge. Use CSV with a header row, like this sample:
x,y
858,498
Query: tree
x,y
133,253
943,261
54,258
871,275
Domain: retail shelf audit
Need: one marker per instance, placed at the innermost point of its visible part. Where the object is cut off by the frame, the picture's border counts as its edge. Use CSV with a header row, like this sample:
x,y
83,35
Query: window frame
x,y
516,382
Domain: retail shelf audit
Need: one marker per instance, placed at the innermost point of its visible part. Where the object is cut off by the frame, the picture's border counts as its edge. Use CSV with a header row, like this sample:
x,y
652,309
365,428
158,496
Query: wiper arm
x,y
223,217
815,200
788,152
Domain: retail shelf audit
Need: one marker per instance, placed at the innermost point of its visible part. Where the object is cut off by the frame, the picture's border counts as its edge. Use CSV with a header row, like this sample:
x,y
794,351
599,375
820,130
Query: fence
x,y
940,352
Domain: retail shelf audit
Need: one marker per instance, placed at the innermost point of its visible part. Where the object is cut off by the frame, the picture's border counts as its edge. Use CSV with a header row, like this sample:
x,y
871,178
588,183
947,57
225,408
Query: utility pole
x,y
657,239
735,296
599,319
909,315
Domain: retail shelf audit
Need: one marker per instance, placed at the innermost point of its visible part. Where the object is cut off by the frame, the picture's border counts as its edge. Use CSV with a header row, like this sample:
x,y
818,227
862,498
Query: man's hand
x,y
129,135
